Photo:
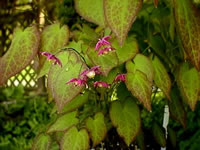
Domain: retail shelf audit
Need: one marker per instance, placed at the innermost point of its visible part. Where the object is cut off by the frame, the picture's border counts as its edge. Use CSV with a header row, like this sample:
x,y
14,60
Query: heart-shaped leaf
x,y
23,49
159,134
91,11
143,64
107,61
75,140
189,84
127,51
42,142
120,15
161,78
176,108
126,118
72,66
96,128
64,122
140,87
53,38
77,102
188,25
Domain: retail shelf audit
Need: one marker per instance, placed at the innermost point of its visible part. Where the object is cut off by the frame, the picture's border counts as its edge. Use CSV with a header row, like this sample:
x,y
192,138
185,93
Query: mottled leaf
x,y
126,118
91,11
64,122
189,84
107,62
143,64
23,49
96,128
188,25
42,142
127,51
159,134
53,38
77,102
75,140
176,108
162,79
72,66
120,15
140,87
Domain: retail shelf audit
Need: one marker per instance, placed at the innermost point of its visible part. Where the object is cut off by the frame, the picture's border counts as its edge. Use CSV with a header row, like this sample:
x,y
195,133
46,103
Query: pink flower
x,y
101,84
105,50
102,42
52,57
77,82
90,73
120,77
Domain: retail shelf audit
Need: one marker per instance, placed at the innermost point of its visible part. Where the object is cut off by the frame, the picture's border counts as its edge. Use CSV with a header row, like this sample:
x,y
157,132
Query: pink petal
x,y
101,84
120,77
106,37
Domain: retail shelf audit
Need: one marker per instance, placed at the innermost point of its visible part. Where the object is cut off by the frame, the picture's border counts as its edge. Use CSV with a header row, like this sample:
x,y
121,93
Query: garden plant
x,y
106,79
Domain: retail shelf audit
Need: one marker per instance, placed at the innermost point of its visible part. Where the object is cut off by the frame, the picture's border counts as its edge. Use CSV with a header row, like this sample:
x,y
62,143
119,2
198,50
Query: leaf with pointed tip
x,y
188,24
96,128
77,102
126,118
53,38
162,79
75,140
159,134
143,64
72,66
140,87
106,61
64,122
91,11
176,108
172,136
127,51
189,84
140,141
120,15
23,49
42,142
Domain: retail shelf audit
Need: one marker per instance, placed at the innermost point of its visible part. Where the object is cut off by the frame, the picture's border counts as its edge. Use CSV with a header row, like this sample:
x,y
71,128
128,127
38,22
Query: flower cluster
x,y
52,57
103,46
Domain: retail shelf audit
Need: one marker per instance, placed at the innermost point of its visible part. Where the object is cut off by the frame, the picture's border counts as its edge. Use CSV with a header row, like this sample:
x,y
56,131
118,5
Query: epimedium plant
x,y
100,79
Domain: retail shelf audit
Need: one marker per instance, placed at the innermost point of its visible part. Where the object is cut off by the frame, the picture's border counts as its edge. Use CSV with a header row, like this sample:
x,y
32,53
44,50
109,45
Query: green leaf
x,y
159,134
125,117
72,66
75,140
91,11
140,141
64,122
53,38
140,87
77,102
176,108
107,62
42,142
172,136
162,79
120,15
189,84
188,25
127,51
143,64
96,128
23,49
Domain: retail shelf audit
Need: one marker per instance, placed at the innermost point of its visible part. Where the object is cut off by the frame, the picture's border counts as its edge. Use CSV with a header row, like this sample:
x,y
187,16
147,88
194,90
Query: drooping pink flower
x,y
52,57
101,84
102,42
77,82
90,73
120,77
105,50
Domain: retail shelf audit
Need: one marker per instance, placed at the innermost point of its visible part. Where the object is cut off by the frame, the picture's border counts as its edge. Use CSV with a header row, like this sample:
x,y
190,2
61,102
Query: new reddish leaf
x,y
23,49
